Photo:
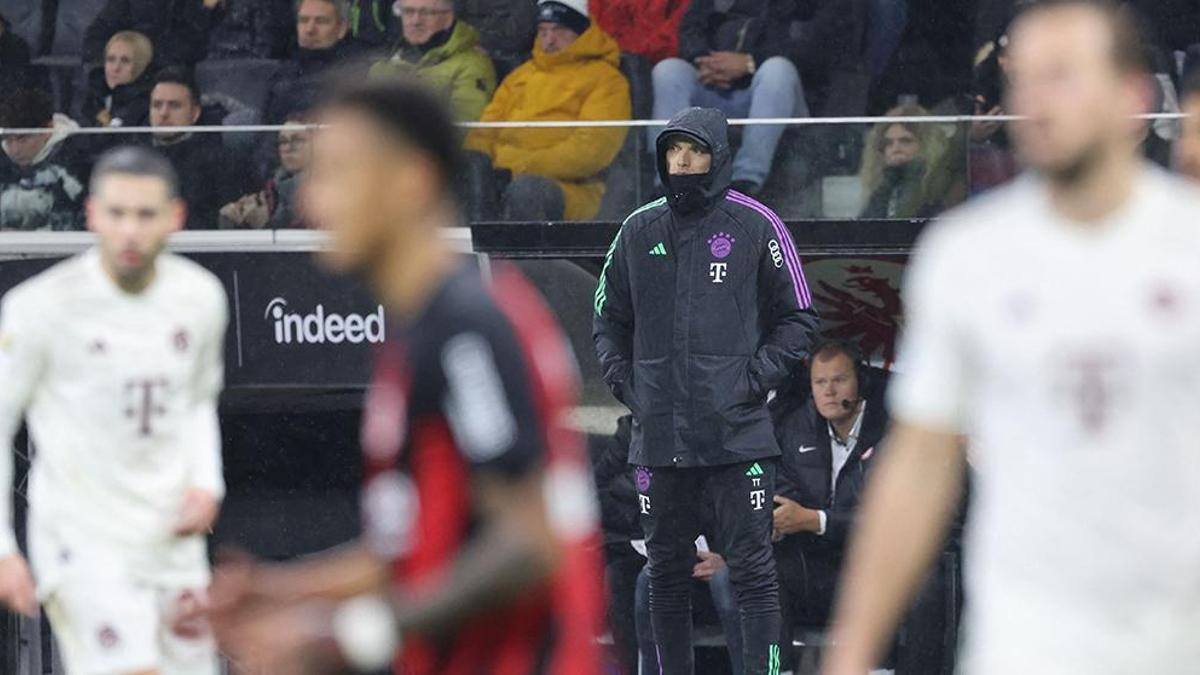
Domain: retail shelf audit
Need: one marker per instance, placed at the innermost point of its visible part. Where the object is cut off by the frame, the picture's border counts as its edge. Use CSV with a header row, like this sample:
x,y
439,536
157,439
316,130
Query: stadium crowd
x,y
134,63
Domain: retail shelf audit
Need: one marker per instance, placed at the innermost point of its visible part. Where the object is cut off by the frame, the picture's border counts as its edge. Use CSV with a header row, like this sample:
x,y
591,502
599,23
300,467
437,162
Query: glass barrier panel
x,y
232,180
840,170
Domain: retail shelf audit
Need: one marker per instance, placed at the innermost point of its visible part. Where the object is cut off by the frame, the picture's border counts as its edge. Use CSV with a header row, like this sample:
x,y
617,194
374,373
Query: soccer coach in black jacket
x,y
702,309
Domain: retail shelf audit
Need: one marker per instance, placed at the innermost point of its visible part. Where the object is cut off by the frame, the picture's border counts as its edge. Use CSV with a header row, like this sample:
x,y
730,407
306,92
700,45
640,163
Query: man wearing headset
x,y
829,432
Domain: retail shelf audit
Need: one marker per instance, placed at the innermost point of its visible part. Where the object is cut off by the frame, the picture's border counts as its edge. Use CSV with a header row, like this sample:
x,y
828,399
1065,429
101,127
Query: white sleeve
x,y
932,385
22,361
204,433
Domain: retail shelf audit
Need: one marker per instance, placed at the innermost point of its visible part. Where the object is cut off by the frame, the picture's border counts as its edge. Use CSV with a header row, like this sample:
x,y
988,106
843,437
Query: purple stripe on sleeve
x,y
789,245
799,283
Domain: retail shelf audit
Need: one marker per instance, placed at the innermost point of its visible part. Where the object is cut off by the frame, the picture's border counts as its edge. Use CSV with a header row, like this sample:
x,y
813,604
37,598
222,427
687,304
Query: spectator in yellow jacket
x,y
557,172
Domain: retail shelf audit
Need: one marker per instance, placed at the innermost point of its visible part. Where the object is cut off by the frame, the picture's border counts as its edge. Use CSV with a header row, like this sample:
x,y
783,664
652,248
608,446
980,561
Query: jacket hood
x,y
63,127
593,45
709,126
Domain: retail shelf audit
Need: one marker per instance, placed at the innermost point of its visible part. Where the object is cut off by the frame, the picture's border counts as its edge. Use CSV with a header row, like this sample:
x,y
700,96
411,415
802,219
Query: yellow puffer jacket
x,y
581,82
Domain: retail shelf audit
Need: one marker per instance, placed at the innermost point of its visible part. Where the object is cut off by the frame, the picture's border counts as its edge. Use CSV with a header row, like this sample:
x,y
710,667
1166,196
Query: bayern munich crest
x,y
721,245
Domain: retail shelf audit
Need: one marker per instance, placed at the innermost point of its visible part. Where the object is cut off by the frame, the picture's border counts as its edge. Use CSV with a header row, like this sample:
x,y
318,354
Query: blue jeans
x,y
775,91
725,601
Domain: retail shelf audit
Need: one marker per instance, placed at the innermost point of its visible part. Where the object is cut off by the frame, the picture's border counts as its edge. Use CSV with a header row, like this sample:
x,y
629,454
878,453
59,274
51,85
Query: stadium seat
x,y
245,80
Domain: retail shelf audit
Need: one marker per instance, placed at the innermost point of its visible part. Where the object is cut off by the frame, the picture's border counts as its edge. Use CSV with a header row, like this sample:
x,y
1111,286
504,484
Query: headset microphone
x,y
849,405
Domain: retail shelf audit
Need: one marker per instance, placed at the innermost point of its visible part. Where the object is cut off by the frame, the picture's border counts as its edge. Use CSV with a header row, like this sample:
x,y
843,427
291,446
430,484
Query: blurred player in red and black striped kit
x,y
479,552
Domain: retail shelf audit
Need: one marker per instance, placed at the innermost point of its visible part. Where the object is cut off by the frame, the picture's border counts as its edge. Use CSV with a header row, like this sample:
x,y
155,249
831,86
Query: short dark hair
x,y
136,160
1130,50
410,112
180,76
830,348
26,109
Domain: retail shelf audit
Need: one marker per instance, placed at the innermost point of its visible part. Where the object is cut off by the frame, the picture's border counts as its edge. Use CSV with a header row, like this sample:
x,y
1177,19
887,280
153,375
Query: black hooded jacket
x,y
698,316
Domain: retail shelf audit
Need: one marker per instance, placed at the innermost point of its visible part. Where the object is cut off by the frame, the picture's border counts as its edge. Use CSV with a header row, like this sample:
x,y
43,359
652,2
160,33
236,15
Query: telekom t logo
x,y
758,499
144,402
644,500
717,272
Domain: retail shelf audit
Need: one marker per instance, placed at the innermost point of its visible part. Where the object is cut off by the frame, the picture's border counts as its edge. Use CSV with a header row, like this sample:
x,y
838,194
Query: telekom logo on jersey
x,y
319,328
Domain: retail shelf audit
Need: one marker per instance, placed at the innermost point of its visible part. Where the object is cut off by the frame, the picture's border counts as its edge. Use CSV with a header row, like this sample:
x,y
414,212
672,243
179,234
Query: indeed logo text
x,y
318,327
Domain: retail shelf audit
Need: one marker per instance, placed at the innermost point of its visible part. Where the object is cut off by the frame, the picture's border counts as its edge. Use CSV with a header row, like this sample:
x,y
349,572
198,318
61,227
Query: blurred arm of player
x,y
907,509
915,493
517,549
281,618
202,500
284,618
22,360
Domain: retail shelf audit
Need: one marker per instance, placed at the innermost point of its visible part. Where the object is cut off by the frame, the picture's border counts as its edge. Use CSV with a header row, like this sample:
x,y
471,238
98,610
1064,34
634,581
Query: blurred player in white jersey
x,y
1056,322
115,359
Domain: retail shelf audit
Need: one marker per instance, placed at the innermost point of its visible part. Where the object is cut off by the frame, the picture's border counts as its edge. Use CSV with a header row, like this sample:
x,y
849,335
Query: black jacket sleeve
x,y
613,323
774,33
693,30
838,525
187,32
786,305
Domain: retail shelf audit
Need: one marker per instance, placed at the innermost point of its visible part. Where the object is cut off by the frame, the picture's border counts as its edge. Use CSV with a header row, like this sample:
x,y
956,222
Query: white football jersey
x,y
1070,355
120,393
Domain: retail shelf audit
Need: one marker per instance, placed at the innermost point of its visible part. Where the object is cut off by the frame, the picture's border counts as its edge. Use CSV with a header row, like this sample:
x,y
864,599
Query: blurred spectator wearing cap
x,y
648,28
443,51
41,175
274,207
1187,148
733,56
321,34
904,172
558,172
119,94
178,28
208,177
